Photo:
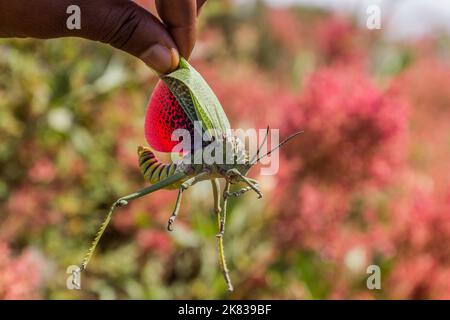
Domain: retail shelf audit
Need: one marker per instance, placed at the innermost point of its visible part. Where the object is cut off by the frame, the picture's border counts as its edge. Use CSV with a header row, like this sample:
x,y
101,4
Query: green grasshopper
x,y
180,100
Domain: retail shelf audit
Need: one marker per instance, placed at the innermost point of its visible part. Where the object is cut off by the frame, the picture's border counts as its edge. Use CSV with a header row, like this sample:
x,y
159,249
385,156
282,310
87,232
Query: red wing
x,y
164,116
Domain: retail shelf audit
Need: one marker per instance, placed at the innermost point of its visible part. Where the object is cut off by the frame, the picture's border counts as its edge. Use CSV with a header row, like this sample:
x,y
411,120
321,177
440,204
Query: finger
x,y
179,16
200,4
131,28
121,23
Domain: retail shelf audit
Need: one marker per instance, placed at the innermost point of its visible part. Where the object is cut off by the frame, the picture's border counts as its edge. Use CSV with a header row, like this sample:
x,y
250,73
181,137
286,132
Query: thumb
x,y
129,27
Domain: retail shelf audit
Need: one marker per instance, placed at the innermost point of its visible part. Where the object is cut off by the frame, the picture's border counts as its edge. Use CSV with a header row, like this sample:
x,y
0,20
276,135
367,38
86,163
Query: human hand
x,y
121,23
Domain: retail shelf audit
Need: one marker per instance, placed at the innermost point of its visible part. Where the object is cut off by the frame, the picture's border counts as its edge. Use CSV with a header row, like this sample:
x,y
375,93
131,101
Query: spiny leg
x,y
184,186
123,202
250,182
243,190
254,181
175,211
240,192
224,212
222,259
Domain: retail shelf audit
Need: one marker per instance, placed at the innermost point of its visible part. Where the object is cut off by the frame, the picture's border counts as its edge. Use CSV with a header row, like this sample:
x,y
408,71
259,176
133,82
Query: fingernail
x,y
161,58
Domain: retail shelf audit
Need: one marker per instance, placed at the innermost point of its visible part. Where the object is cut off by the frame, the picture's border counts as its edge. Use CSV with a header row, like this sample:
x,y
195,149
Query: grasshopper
x,y
179,100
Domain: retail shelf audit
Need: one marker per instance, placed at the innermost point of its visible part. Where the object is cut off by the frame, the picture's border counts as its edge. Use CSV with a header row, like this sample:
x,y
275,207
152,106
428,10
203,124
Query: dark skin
x,y
121,23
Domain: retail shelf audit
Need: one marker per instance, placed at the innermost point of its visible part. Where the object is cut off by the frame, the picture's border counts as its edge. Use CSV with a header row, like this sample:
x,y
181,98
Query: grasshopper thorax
x,y
221,155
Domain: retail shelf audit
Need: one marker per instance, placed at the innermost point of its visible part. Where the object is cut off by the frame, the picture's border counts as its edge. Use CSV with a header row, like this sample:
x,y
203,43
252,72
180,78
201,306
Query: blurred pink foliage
x,y
32,211
158,242
420,230
338,41
355,141
42,171
20,276
354,133
286,28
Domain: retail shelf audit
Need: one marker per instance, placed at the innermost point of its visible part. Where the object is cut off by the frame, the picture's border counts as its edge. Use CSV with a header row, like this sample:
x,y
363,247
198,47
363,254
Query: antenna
x,y
259,148
278,146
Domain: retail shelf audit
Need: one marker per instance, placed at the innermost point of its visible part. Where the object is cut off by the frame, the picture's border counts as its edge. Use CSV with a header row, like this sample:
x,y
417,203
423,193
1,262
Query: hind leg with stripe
x,y
174,179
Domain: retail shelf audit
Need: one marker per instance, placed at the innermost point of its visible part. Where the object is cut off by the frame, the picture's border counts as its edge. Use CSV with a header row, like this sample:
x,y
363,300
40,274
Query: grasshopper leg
x,y
224,213
175,211
250,182
184,186
123,202
221,225
238,193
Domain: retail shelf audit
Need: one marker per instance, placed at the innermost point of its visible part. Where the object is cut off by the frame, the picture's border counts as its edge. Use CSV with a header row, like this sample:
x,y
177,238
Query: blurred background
x,y
368,182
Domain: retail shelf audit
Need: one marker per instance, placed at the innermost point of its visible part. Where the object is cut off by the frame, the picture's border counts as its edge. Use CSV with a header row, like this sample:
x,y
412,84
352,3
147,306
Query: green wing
x,y
197,99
